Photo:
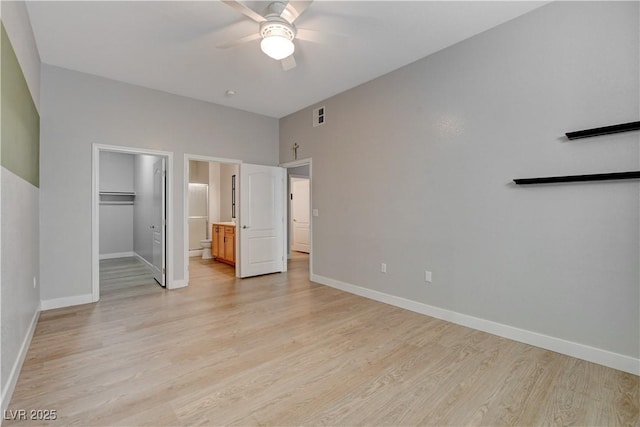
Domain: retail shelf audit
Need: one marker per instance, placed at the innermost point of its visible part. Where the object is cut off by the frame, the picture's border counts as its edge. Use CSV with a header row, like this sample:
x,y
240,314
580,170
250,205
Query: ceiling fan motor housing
x,y
277,27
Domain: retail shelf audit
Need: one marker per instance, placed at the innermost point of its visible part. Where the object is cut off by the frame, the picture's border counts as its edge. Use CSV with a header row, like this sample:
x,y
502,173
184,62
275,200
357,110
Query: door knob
x,y
152,227
245,226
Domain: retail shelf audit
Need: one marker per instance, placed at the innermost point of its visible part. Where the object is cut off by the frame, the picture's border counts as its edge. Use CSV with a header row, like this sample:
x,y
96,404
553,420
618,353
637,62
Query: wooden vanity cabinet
x,y
223,243
230,244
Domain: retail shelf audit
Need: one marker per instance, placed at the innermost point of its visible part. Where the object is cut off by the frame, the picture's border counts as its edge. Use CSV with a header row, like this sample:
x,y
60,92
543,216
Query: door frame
x,y
95,212
289,165
185,206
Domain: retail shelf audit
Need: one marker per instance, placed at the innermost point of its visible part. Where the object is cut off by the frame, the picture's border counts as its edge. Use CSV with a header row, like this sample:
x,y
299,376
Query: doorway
x,y
211,203
129,215
300,211
256,197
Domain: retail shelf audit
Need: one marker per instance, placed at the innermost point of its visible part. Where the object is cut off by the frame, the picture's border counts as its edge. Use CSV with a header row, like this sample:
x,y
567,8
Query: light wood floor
x,y
279,350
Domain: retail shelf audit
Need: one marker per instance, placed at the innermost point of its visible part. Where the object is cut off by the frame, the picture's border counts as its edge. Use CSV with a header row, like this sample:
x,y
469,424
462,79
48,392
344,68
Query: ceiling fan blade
x,y
318,37
244,10
237,42
294,9
288,63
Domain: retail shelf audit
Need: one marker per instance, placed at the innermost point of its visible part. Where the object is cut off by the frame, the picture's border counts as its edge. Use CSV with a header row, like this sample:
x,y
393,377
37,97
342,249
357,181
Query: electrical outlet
x,y
383,267
427,276
35,282
315,212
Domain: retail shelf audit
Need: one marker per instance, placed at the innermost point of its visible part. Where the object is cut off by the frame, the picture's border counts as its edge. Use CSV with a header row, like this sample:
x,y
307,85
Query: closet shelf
x,y
117,197
111,202
117,193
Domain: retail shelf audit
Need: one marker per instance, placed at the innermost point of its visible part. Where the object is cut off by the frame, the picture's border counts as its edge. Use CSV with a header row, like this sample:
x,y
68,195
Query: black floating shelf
x,y
579,178
624,127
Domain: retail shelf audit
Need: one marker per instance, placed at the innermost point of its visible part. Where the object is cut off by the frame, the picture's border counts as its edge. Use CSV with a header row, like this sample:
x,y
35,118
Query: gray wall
x,y
414,169
15,19
143,209
19,195
116,221
80,109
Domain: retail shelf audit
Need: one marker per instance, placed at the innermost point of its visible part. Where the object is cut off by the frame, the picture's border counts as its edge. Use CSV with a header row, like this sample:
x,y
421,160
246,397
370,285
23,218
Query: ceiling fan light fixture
x,y
277,40
277,47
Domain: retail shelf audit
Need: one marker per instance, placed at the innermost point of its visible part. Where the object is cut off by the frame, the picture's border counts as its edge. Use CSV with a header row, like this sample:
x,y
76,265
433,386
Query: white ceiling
x,y
171,45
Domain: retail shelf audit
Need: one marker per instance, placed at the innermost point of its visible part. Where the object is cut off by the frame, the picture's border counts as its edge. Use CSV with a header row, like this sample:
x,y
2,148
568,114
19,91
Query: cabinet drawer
x,y
229,231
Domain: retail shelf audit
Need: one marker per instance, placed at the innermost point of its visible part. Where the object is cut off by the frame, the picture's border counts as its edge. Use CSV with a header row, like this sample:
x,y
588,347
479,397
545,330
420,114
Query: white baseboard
x,y
51,304
171,284
142,260
7,392
116,255
195,252
569,348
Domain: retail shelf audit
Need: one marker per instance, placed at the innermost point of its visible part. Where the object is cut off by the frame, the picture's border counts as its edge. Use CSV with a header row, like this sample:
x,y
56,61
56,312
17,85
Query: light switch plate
x,y
315,212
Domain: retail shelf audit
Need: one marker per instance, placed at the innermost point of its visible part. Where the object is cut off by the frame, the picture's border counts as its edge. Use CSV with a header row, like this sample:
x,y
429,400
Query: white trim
x,y
116,255
296,163
185,209
63,302
293,164
195,253
10,386
95,213
177,284
569,348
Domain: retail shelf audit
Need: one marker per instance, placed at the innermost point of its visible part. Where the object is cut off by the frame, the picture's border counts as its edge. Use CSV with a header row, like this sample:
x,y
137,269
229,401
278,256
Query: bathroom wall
x,y
226,172
116,220
214,193
198,172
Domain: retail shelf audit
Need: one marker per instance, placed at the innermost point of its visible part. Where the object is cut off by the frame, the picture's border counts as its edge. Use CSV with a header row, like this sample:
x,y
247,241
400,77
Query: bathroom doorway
x,y
211,204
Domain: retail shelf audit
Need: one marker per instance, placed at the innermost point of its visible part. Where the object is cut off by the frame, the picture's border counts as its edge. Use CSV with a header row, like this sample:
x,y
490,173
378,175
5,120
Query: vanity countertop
x,y
228,223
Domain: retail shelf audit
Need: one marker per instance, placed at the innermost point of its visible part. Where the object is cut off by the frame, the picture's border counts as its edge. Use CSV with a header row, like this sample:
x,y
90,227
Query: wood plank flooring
x,y
280,350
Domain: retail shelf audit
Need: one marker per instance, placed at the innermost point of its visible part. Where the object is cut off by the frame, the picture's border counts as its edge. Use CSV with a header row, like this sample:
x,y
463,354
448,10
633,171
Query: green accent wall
x,y
20,121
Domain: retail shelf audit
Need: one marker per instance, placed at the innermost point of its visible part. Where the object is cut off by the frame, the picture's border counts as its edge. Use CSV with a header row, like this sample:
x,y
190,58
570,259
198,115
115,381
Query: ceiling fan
x,y
277,30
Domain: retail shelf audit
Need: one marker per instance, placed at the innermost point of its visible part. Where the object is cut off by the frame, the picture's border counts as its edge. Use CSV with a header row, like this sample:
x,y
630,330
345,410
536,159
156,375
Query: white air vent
x,y
319,116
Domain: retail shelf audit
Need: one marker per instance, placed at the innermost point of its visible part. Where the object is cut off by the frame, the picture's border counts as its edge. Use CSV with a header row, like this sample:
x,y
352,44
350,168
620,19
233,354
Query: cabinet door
x,y
220,239
229,244
215,244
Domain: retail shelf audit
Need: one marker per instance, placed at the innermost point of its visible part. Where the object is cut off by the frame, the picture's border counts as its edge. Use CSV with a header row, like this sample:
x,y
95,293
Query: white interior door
x,y
300,214
158,225
261,219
